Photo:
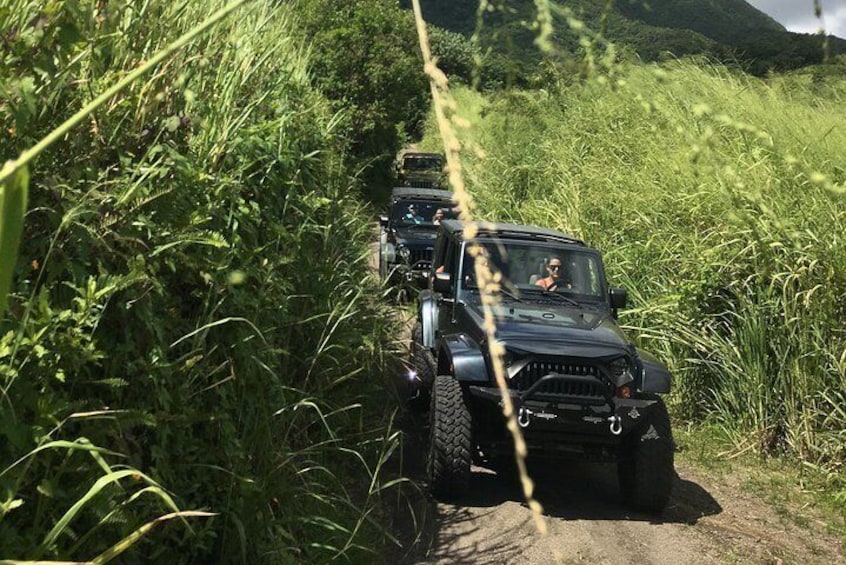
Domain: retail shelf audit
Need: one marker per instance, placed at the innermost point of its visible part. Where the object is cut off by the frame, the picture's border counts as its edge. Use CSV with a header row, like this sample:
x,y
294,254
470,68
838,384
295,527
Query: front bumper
x,y
416,273
569,418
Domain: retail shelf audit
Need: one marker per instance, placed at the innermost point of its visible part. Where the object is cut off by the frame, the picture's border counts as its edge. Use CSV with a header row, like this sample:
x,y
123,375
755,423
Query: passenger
x,y
553,281
439,215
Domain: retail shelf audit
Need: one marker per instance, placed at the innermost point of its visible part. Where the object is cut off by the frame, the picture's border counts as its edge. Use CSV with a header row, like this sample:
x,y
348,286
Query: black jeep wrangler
x,y
408,233
579,387
421,170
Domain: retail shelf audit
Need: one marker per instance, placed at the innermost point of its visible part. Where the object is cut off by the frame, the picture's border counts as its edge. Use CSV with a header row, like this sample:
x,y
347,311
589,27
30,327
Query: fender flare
x,y
428,317
389,252
462,357
655,376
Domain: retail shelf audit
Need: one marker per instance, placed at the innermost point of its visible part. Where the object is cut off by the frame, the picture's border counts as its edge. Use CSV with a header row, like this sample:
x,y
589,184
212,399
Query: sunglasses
x,y
555,267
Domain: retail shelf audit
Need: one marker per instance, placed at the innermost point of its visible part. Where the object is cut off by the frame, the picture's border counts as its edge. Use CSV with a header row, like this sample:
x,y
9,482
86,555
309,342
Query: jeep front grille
x,y
421,258
535,370
420,183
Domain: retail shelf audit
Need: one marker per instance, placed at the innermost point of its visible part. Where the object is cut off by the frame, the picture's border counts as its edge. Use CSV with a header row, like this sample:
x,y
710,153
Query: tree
x,y
366,60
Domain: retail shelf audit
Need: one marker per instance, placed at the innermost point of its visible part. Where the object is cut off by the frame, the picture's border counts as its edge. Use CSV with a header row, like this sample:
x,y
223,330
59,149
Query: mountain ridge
x,y
730,31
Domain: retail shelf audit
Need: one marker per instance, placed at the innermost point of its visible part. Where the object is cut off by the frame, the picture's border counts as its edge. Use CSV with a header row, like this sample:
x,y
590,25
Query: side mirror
x,y
383,220
441,283
618,298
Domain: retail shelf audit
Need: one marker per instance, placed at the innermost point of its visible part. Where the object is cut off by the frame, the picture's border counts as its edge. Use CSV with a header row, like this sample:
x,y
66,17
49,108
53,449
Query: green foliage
x,y
717,199
459,17
455,54
13,195
366,59
722,20
190,325
503,40
729,31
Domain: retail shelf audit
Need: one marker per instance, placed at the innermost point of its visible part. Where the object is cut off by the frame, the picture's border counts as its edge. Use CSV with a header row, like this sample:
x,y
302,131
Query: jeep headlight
x,y
404,252
621,371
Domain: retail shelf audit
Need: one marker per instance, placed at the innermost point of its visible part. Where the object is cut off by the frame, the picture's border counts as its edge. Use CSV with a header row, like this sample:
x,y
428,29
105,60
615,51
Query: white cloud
x,y
798,15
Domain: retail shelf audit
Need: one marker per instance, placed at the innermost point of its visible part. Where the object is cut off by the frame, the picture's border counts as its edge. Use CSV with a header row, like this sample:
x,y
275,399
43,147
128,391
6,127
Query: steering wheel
x,y
559,284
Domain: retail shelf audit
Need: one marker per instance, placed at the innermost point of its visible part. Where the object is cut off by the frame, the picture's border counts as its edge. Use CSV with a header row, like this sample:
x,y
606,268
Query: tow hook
x,y
616,425
524,417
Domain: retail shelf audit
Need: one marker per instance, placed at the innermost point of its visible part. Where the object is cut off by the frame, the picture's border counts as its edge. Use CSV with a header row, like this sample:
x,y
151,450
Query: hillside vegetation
x,y
718,202
730,31
193,325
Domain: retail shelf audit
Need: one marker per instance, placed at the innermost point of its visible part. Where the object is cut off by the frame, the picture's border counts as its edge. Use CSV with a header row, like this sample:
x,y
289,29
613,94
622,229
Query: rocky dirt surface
x,y
708,520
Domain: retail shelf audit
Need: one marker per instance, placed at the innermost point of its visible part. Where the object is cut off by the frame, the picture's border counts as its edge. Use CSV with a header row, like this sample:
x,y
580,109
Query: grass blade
x,y
13,194
133,538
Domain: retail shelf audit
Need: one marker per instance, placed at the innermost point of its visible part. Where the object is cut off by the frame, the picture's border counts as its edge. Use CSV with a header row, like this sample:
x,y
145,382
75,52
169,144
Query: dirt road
x,y
707,521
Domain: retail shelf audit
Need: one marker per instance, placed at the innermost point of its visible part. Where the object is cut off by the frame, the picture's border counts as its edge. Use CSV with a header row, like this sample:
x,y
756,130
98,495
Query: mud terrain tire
x,y
646,472
448,463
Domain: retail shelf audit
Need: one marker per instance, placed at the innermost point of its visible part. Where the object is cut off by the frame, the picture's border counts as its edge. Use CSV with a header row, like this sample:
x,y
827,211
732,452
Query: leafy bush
x,y
190,326
366,60
456,55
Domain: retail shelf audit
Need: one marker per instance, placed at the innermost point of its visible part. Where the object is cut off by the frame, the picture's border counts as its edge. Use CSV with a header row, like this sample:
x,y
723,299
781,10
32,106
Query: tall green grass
x,y
716,199
191,353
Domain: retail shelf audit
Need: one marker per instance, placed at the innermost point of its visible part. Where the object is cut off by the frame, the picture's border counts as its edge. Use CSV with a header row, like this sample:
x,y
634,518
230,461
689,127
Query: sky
x,y
798,15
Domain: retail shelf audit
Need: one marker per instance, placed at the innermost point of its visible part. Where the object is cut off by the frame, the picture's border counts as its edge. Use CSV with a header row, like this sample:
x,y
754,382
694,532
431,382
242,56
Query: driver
x,y
553,281
412,215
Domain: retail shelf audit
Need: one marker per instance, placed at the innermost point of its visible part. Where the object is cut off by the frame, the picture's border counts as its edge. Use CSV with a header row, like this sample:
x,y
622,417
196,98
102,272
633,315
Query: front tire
x,y
448,465
646,473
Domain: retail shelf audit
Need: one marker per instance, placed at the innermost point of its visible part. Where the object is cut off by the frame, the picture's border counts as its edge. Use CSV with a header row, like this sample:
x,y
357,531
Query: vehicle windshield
x,y
542,271
415,211
422,163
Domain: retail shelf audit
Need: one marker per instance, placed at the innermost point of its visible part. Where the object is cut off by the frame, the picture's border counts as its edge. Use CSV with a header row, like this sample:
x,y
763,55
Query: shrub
x,y
190,326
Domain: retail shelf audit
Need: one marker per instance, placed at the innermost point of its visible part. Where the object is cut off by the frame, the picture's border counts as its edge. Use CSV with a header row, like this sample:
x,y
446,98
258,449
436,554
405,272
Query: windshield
x,y
422,164
538,270
414,211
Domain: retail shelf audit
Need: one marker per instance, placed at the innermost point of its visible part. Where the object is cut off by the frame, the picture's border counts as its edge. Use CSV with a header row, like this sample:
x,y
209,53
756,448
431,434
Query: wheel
x,y
646,471
448,463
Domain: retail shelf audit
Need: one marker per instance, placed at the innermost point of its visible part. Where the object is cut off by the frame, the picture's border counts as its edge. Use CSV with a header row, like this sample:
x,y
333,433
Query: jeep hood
x,y
419,235
555,329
